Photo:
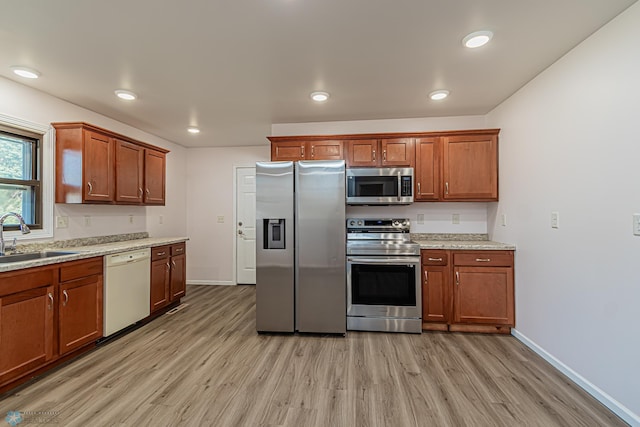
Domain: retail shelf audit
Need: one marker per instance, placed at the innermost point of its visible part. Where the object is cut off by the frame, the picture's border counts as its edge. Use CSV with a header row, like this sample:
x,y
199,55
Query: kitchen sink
x,y
4,259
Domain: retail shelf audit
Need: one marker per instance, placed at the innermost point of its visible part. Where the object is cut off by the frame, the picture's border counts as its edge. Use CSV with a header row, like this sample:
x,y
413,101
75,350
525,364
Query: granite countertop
x,y
475,242
95,246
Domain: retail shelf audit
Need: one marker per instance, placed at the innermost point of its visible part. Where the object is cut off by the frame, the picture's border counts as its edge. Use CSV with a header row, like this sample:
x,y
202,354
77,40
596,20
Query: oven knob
x,y
359,222
396,223
352,223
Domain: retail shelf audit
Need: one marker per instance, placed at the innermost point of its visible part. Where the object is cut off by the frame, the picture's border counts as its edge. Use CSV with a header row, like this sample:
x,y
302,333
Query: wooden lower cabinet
x,y
80,320
168,275
475,294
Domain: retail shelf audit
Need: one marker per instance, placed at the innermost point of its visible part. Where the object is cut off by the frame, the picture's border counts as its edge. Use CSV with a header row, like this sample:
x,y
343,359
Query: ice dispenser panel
x,y
274,233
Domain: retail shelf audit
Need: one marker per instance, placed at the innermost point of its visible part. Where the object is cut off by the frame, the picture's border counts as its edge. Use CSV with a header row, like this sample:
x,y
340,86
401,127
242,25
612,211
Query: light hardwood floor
x,y
206,366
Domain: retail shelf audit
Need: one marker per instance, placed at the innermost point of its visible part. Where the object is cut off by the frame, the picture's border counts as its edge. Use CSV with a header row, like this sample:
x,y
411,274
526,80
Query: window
x,y
20,176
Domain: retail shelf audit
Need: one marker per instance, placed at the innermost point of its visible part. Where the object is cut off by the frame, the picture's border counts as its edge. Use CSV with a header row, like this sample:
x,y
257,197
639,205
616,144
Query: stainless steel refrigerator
x,y
300,247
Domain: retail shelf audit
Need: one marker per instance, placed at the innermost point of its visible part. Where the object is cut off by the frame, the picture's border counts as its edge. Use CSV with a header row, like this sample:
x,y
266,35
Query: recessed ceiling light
x,y
26,72
477,39
193,130
319,96
437,95
127,95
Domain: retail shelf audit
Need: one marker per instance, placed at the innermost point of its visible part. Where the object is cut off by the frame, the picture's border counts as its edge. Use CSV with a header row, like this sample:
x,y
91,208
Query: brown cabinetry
x,y
307,150
380,152
27,308
427,171
470,167
168,275
95,165
473,293
80,304
436,292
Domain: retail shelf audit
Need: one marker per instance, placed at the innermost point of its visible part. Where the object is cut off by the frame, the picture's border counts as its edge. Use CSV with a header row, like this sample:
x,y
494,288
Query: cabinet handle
x,y
374,155
302,151
90,187
173,263
435,259
161,253
446,188
418,188
426,277
66,298
140,192
168,266
313,151
148,192
384,155
457,278
50,301
483,259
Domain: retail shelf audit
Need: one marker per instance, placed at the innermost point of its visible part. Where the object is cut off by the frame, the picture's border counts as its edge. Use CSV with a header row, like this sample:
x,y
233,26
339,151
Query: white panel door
x,y
246,225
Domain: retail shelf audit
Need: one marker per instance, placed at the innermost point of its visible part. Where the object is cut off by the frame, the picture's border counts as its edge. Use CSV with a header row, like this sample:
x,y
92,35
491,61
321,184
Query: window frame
x,y
45,161
36,174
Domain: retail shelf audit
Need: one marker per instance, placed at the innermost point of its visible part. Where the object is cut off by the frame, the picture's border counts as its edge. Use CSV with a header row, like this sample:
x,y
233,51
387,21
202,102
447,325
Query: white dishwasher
x,y
126,289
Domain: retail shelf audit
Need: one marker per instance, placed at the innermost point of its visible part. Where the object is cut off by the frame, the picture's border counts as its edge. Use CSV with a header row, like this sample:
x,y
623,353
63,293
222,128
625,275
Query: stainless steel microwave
x,y
379,186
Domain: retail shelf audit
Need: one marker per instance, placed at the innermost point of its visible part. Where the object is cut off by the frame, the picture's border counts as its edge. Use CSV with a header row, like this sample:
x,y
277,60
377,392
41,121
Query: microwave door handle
x,y
399,186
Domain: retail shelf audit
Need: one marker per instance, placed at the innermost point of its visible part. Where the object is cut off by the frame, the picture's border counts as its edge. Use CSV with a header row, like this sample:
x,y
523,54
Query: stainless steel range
x,y
383,276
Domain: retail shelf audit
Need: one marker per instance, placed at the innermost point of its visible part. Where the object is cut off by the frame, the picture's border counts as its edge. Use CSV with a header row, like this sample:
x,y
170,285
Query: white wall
x,y
438,216
25,103
209,195
569,143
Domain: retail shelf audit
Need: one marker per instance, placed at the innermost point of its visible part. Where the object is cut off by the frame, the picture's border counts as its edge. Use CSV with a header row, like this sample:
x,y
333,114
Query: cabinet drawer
x,y
434,257
21,280
484,258
178,249
83,268
160,252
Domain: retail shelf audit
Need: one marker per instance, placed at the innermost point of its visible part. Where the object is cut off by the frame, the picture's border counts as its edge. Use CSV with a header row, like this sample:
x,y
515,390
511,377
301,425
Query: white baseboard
x,y
618,408
211,282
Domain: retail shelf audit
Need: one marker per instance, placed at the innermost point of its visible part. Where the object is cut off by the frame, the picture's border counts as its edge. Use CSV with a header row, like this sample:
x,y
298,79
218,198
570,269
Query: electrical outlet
x,y
420,218
636,224
503,220
455,219
160,219
62,221
130,219
221,218
555,219
87,221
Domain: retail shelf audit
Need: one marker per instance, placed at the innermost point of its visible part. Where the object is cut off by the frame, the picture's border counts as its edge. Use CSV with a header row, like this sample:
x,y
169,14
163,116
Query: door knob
x,y
239,231
240,223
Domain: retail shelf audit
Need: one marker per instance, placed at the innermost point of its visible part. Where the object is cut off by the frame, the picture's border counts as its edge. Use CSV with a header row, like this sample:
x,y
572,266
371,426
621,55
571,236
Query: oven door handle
x,y
385,260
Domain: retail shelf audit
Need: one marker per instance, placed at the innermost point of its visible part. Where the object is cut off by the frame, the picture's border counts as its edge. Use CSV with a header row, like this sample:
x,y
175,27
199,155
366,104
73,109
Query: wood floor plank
x,y
205,365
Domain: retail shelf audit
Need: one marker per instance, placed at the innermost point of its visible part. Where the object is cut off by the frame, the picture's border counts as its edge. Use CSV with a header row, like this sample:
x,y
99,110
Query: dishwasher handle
x,y
127,257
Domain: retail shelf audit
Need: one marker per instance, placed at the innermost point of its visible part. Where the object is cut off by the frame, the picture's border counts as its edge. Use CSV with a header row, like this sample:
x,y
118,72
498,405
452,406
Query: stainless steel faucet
x,y
23,228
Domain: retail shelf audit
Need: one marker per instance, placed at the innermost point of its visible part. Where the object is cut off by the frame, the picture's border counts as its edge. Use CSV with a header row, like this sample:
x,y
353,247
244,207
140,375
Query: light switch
x,y
555,220
503,220
636,224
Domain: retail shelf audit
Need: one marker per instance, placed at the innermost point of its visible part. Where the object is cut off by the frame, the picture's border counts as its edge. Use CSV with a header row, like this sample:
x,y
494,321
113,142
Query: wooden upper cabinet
x,y
324,150
397,152
154,177
95,165
129,172
470,167
287,151
380,153
362,153
427,171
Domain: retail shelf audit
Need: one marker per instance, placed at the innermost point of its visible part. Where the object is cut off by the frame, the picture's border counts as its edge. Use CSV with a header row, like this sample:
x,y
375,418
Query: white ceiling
x,y
235,67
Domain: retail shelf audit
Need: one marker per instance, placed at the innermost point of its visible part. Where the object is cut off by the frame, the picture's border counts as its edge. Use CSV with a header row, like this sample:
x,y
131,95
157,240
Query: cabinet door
x,y
436,306
178,277
80,305
287,151
362,153
160,295
97,168
484,295
154,177
26,331
397,152
325,150
129,172
427,172
470,167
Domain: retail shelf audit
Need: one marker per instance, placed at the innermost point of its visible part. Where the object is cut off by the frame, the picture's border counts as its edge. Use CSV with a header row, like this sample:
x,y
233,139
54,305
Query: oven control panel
x,y
392,225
